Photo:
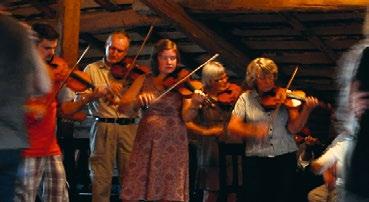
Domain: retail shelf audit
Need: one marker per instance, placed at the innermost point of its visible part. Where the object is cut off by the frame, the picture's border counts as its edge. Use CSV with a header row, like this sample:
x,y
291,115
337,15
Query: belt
x,y
120,121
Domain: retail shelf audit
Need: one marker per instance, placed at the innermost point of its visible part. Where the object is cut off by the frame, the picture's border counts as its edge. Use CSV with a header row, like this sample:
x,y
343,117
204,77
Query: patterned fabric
x,y
47,171
207,146
279,140
158,167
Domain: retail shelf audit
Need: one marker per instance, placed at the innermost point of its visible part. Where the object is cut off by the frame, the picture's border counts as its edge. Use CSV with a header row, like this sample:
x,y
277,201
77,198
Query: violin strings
x,y
275,112
186,77
73,68
139,51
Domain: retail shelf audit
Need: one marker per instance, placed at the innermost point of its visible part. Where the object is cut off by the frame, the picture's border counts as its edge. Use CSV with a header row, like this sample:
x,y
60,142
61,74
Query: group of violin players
x,y
142,128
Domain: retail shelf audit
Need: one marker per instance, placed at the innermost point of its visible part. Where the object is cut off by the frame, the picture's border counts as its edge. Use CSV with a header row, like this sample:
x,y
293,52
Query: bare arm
x,y
70,107
240,128
191,106
203,130
128,100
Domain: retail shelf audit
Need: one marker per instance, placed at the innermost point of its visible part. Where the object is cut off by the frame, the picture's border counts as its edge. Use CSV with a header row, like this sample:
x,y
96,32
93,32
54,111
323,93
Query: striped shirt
x,y
279,141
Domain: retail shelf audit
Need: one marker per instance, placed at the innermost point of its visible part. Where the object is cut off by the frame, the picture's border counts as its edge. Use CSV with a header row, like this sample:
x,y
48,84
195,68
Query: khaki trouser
x,y
322,194
110,143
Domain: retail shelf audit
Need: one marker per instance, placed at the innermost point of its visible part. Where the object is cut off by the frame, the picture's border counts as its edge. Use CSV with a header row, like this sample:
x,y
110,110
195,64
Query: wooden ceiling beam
x,y
270,5
109,21
200,34
43,7
310,36
108,5
92,41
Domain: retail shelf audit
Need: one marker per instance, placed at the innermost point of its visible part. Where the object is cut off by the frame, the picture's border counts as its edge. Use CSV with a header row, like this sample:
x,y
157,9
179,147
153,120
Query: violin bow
x,y
73,68
288,86
292,77
186,77
55,93
139,51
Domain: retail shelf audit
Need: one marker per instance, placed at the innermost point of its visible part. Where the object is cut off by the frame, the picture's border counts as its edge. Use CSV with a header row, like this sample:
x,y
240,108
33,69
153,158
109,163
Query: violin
x,y
76,80
181,79
230,95
128,69
188,87
61,74
294,100
306,136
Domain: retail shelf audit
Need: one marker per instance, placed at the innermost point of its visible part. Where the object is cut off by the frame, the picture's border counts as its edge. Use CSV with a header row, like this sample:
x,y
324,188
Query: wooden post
x,y
69,26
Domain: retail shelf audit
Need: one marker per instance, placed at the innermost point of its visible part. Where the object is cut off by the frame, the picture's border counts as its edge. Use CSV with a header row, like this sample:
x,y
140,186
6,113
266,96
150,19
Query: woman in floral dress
x,y
158,166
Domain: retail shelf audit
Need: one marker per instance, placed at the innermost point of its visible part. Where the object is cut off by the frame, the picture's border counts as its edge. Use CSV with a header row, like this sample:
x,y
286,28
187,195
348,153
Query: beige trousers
x,y
111,144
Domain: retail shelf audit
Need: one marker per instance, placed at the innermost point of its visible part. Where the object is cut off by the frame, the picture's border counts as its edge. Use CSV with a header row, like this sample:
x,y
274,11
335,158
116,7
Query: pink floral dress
x,y
158,166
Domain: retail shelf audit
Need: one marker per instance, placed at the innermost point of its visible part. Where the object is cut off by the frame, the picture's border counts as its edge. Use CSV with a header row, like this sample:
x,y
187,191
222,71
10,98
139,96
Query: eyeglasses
x,y
221,79
265,77
164,57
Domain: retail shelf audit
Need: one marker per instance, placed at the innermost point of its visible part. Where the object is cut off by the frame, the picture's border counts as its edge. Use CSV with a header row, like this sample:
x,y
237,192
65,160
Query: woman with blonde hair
x,y
269,146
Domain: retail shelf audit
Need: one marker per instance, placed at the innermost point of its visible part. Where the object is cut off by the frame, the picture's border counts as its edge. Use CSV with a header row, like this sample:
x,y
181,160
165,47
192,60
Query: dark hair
x,y
161,45
45,31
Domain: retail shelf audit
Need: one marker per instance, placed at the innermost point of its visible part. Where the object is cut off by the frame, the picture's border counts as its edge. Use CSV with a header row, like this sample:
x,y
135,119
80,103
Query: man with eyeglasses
x,y
113,133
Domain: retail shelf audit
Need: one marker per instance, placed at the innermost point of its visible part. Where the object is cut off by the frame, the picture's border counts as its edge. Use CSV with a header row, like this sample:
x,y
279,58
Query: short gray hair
x,y
211,71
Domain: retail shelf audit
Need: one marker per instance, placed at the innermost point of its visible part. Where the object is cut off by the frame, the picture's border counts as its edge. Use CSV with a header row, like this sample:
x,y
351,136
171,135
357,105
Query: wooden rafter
x,y
110,21
200,34
108,5
43,7
269,5
92,41
310,36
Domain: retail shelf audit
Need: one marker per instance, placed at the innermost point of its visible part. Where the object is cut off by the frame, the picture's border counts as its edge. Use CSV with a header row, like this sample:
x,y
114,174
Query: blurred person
x,y
353,114
22,74
331,165
42,164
